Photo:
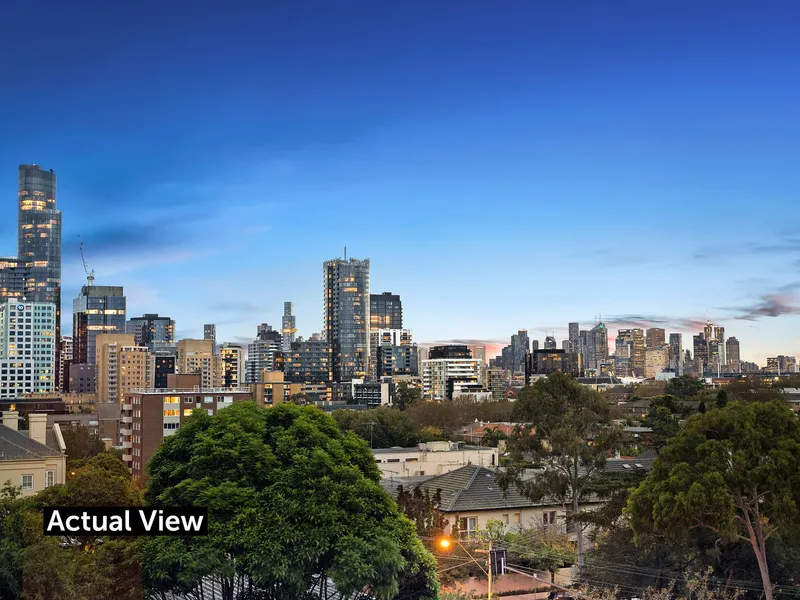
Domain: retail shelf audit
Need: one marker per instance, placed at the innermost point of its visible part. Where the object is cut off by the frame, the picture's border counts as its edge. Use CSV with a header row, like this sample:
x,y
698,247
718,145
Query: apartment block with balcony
x,y
150,415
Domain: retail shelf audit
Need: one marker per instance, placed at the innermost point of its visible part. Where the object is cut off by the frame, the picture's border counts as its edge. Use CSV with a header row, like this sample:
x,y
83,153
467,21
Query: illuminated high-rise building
x,y
35,273
655,338
385,311
732,352
676,352
597,346
98,309
152,330
288,328
637,352
232,365
27,347
346,303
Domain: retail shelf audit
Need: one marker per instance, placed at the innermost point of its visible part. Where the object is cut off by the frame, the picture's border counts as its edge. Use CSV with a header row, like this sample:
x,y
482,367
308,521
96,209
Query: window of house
x,y
505,519
27,482
208,399
49,478
516,517
549,518
412,460
467,526
393,460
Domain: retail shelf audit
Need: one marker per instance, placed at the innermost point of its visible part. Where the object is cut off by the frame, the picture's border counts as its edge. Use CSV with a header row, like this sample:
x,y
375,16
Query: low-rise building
x,y
432,458
34,459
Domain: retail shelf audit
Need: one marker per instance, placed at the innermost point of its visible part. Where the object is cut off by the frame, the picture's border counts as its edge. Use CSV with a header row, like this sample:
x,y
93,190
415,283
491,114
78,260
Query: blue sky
x,y
505,165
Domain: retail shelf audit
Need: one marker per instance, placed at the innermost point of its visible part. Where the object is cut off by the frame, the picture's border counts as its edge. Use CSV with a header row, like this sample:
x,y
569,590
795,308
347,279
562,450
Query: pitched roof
x,y
473,488
16,445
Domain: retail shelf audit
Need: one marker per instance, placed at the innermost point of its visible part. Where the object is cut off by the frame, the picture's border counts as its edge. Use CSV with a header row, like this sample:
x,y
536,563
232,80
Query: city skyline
x,y
651,153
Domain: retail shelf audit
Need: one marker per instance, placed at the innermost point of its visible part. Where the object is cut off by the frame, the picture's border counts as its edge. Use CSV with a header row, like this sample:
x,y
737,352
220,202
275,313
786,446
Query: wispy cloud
x,y
787,243
769,305
235,306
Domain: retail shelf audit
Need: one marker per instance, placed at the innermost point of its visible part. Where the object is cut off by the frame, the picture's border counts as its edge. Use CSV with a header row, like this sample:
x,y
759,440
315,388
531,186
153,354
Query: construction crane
x,y
89,274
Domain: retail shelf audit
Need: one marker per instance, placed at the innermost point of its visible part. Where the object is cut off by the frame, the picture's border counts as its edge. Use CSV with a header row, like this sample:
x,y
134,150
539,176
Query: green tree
x,y
12,515
664,425
424,510
570,436
406,395
722,399
81,443
684,386
293,502
732,472
382,427
493,437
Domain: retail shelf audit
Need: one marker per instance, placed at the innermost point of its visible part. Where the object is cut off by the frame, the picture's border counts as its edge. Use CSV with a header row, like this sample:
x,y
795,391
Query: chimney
x,y
11,419
37,428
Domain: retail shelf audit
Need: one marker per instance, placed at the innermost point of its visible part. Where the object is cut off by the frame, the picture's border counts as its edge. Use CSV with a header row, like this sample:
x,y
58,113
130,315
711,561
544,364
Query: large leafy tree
x,y
569,438
294,503
406,395
81,443
732,472
664,424
382,427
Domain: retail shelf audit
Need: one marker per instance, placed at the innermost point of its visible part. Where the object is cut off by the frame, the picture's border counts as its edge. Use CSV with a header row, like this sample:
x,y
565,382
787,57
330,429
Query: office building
x,y
700,347
81,379
637,352
449,351
148,416
520,346
210,332
574,337
288,327
782,365
308,362
676,353
656,361
550,343
347,317
65,350
263,353
232,365
27,347
732,352
198,357
385,311
152,331
551,360
98,309
623,352
479,354
597,346
35,273
655,338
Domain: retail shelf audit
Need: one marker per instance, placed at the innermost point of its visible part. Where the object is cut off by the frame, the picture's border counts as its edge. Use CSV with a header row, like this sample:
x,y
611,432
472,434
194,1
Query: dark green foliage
x,y
664,425
493,437
731,472
722,399
702,407
423,510
406,396
448,418
684,386
572,436
292,500
390,426
81,443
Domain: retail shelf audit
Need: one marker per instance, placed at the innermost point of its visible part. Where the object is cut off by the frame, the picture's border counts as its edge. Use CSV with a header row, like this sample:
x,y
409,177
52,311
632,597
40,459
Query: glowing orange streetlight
x,y
444,543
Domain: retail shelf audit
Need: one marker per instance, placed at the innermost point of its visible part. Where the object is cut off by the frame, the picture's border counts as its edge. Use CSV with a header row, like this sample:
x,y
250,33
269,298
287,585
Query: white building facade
x,y
441,375
27,347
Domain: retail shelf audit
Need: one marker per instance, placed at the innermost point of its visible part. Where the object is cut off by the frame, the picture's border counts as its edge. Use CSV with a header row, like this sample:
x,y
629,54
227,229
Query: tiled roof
x,y
16,445
474,488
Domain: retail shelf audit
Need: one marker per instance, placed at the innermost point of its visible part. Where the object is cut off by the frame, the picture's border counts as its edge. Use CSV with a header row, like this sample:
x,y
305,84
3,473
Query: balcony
x,y
125,432
127,445
127,407
127,458
127,420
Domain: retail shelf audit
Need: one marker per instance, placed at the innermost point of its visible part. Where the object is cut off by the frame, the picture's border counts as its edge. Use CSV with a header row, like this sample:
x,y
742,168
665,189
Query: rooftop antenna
x,y
89,274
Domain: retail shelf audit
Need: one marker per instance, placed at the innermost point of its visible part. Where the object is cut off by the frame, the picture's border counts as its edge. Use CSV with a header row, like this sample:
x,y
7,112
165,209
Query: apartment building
x,y
197,356
432,458
150,415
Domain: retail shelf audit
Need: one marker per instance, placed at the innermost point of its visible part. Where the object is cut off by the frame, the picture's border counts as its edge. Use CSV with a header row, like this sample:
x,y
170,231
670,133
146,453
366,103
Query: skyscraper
x,y
550,343
347,317
700,348
655,338
27,347
98,309
637,352
520,347
232,365
385,311
623,349
198,357
676,353
35,273
597,342
732,352
152,330
262,353
210,333
574,337
288,328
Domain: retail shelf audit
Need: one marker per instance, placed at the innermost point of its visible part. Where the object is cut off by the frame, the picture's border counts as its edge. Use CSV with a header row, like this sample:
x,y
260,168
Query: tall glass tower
x,y
347,312
39,234
98,309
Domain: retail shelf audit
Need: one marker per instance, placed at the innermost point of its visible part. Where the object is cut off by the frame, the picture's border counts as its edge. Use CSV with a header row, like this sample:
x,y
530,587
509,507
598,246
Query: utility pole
x,y
489,574
371,425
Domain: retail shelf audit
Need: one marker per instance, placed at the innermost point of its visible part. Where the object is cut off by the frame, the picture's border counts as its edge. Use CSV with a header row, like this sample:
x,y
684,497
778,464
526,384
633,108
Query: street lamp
x,y
445,543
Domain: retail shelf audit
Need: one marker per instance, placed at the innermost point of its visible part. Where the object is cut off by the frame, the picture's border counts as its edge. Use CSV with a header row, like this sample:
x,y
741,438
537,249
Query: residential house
x,y
34,459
